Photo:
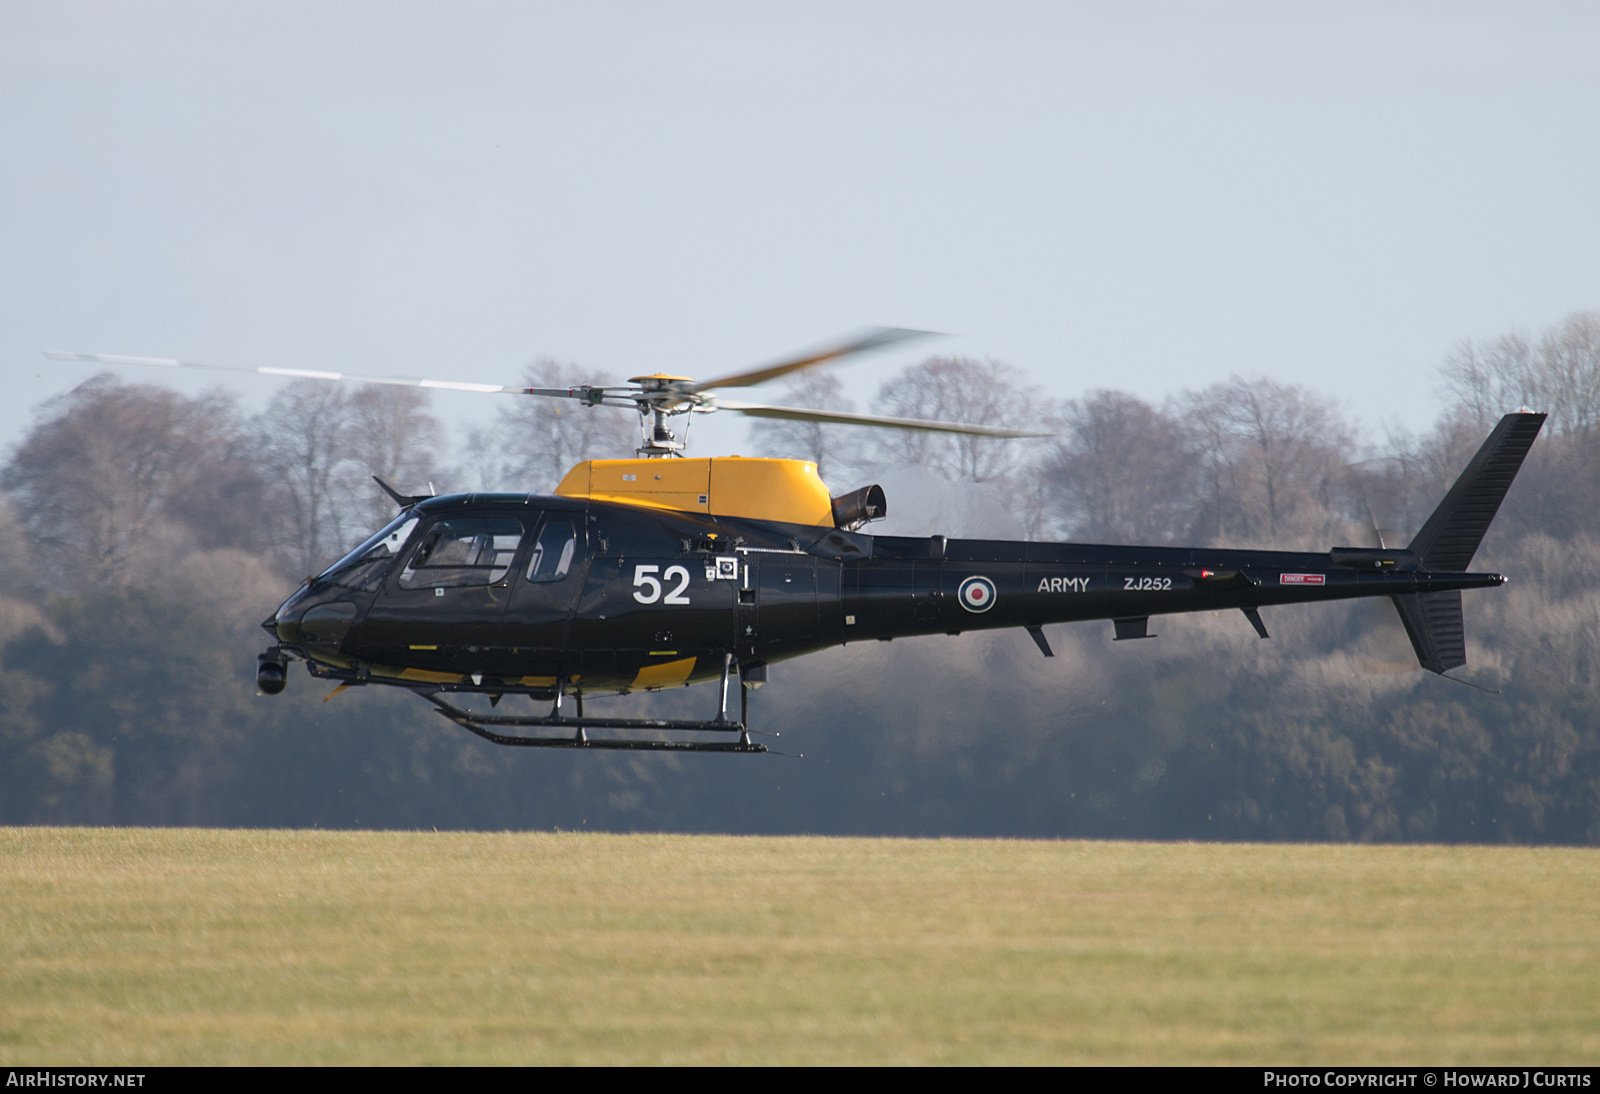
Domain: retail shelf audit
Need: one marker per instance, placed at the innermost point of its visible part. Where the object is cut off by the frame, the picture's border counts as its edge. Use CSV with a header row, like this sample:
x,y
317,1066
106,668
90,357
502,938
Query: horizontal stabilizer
x,y
1452,534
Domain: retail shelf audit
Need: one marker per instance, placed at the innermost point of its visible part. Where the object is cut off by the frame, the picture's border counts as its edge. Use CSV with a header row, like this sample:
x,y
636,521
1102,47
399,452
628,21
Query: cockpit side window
x,y
554,553
364,568
463,551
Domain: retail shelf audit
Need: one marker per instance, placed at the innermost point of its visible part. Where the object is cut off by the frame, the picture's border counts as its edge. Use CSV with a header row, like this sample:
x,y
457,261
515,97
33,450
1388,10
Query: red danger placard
x,y
1301,579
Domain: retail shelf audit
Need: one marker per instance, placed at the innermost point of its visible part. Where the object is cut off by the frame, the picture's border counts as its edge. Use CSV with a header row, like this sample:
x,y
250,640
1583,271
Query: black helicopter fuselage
x,y
535,593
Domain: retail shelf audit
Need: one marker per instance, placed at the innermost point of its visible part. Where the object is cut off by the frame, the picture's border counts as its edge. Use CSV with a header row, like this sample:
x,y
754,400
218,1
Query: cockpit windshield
x,y
365,566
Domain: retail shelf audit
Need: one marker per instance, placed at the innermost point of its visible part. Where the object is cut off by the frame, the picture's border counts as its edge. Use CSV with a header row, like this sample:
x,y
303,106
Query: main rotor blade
x,y
839,417
874,338
312,374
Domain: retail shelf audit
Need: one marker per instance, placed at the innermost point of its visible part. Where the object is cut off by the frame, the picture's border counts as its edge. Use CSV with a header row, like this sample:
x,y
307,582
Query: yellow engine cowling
x,y
789,491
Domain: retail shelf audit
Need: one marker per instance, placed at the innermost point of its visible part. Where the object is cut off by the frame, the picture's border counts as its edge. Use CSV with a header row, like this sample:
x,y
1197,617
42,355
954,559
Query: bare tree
x,y
1559,375
1489,378
957,389
110,470
1121,472
306,445
392,435
1394,486
830,447
323,443
537,441
1274,458
1569,375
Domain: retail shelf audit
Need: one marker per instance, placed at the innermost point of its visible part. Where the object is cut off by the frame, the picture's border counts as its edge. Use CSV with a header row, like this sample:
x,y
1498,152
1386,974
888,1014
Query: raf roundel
x,y
977,594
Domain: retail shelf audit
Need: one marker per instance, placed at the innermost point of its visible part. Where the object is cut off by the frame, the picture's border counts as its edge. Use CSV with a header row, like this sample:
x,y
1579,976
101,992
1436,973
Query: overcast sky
x,y
1142,196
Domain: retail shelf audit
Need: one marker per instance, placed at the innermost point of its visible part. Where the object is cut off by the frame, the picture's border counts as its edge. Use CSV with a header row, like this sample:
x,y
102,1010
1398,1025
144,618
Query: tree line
x,y
150,532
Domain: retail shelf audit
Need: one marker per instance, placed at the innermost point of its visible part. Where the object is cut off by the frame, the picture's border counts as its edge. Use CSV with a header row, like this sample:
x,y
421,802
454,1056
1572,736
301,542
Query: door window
x,y
463,551
553,554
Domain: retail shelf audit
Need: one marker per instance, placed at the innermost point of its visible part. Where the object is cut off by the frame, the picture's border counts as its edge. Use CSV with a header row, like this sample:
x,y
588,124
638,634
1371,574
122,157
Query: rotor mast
x,y
660,397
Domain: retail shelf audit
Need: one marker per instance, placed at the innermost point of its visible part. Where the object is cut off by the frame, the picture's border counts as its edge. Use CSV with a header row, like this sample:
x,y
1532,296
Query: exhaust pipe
x,y
852,510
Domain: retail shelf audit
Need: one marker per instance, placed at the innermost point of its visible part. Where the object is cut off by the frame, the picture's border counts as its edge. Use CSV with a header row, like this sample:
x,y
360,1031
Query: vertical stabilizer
x,y
1434,625
1451,537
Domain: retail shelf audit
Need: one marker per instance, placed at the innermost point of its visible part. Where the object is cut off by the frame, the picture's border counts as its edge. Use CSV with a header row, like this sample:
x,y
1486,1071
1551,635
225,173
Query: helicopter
x,y
663,571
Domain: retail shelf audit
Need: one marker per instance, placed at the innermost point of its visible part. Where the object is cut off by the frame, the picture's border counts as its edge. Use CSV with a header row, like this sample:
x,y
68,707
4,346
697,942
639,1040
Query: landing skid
x,y
575,729
578,735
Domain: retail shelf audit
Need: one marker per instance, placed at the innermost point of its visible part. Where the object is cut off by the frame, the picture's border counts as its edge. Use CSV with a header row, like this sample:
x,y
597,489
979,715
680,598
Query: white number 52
x,y
647,587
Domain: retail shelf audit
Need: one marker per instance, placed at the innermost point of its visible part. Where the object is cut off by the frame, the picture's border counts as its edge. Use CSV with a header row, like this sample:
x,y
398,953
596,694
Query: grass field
x,y
177,946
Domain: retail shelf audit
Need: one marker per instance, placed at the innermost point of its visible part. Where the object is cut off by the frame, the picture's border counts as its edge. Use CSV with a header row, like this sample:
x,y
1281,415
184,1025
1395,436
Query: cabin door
x,y
450,594
546,588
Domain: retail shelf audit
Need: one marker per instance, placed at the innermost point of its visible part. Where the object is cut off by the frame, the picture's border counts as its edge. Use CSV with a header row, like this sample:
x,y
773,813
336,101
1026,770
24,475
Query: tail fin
x,y
1451,537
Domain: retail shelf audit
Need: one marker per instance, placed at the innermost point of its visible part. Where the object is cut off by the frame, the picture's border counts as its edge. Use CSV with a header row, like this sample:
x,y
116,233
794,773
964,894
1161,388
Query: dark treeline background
x,y
147,534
